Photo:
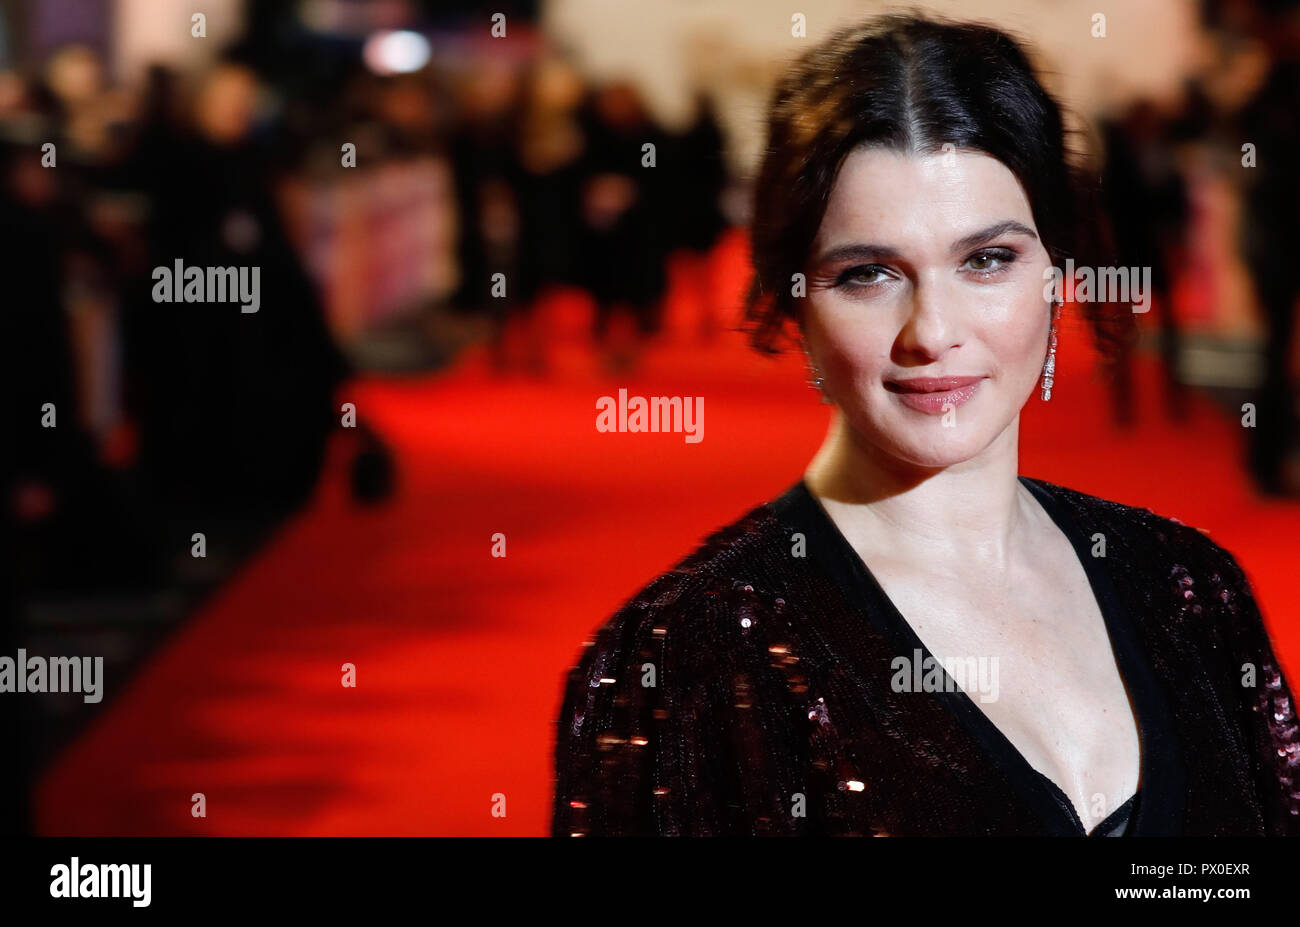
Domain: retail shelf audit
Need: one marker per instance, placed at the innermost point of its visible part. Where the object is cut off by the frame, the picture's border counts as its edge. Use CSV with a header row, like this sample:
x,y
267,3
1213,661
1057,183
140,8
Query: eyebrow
x,y
873,252
997,229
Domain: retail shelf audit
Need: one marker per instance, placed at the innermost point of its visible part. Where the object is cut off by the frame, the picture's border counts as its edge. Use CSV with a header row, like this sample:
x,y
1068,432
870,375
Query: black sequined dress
x,y
748,691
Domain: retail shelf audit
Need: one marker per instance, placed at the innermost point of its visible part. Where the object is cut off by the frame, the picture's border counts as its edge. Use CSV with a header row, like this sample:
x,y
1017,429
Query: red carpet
x,y
460,655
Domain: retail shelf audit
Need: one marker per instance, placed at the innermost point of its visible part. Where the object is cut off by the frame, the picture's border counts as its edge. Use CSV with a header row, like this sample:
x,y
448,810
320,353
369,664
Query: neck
x,y
967,514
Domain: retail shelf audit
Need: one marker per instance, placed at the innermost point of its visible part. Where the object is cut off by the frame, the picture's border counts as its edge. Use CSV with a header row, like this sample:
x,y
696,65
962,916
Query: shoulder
x,y
693,617
1144,534
662,689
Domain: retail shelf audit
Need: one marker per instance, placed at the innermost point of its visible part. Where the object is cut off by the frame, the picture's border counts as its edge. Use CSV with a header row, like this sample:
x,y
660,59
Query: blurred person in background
x,y
1271,122
623,240
49,463
488,183
697,176
408,110
550,146
87,111
68,481
1146,198
233,408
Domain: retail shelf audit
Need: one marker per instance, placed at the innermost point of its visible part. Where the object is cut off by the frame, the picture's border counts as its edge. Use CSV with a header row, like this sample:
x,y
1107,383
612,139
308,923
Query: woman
x,y
1067,665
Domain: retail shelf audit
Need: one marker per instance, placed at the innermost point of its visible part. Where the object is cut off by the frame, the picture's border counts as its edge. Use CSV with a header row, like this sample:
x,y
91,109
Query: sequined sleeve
x,y
631,737
669,725
1269,710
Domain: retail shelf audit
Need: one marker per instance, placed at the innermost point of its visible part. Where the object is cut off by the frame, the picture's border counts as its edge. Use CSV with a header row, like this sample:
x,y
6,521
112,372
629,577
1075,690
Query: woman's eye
x,y
862,275
990,260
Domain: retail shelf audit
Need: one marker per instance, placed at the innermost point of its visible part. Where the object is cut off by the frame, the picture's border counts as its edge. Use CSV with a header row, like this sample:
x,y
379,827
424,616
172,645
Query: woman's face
x,y
927,267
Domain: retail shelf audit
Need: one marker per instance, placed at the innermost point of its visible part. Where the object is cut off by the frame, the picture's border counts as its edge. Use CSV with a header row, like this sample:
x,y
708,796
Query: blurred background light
x,y
396,52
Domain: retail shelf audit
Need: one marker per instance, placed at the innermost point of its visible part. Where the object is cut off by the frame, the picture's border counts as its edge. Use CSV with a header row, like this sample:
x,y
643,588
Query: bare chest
x,y
1046,675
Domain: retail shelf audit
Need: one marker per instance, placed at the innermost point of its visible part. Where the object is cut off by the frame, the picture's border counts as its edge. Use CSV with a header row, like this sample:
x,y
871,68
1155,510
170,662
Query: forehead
x,y
898,198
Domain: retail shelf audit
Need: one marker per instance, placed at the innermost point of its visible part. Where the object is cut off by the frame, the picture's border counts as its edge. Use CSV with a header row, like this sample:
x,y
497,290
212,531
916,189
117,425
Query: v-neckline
x,y
1124,649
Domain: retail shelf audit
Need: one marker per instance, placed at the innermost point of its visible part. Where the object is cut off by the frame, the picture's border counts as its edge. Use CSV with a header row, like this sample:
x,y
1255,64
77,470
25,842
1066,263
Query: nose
x,y
932,325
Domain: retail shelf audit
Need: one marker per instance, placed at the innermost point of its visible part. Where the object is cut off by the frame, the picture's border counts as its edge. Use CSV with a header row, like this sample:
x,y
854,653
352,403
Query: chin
x,y
930,445
937,458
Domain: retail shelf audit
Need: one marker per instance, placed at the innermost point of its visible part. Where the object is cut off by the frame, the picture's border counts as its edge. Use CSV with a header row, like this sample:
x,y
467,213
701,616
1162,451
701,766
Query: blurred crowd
x,y
1234,129
378,203
527,177
561,183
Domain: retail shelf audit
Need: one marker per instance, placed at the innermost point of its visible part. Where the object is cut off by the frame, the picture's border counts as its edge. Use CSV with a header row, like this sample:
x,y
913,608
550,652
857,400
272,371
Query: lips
x,y
929,384
934,395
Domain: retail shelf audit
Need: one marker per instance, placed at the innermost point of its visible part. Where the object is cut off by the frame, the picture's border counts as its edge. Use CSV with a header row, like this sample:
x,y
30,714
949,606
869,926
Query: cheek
x,y
1012,324
848,342
1021,343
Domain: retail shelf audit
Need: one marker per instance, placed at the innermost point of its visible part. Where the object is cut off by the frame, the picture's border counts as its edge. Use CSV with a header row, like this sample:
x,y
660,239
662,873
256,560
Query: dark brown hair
x,y
912,84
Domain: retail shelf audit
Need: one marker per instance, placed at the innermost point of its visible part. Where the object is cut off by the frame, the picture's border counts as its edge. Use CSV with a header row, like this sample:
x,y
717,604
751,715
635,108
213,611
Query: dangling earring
x,y
818,382
1049,365
815,379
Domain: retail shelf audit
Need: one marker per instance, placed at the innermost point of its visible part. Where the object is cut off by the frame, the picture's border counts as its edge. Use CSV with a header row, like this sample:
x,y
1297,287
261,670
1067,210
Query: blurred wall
x,y
147,31
668,49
